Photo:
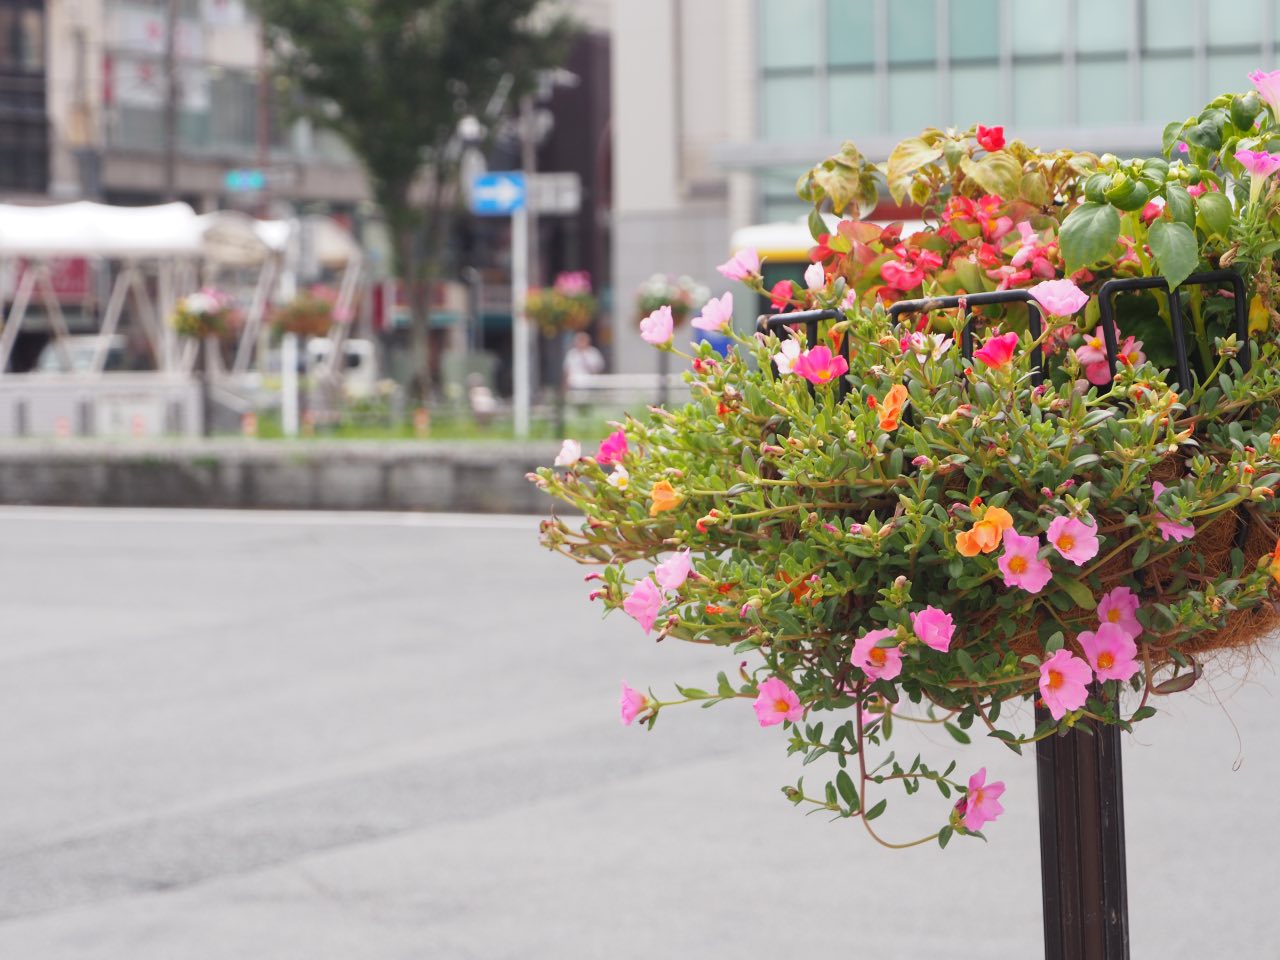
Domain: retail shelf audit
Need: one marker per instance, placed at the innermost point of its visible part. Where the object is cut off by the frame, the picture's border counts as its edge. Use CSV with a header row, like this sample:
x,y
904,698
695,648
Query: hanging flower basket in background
x,y
682,295
205,313
309,314
567,306
957,471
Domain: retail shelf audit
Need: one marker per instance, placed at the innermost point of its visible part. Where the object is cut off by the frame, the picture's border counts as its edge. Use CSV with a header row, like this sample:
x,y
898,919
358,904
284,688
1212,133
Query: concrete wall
x,y
476,477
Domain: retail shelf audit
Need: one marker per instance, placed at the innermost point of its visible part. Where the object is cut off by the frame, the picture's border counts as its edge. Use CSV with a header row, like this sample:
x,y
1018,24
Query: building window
x,y
24,126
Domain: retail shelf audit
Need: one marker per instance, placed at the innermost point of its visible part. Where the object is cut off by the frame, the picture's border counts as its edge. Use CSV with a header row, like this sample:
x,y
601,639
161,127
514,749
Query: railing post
x,y
1082,862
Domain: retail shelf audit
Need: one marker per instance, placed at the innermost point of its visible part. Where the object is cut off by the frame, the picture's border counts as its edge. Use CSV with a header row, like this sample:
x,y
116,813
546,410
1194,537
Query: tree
x,y
393,78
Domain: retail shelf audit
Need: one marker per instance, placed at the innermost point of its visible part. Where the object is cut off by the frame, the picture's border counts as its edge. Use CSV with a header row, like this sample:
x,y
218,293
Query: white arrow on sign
x,y
504,192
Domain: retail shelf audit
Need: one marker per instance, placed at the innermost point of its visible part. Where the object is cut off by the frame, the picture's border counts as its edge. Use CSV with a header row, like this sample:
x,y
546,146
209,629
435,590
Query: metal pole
x,y
1082,861
519,322
289,384
171,102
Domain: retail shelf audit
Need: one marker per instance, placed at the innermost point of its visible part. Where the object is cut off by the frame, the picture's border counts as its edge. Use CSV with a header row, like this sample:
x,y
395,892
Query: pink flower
x,y
1061,298
934,628
1020,563
658,326
1260,165
998,351
574,282
1094,348
612,448
716,314
819,365
1169,530
1063,683
570,453
1073,539
786,356
780,293
633,704
902,276
1268,87
990,139
643,603
815,278
741,265
1131,352
776,702
1110,651
674,571
878,663
982,802
1120,608
1152,210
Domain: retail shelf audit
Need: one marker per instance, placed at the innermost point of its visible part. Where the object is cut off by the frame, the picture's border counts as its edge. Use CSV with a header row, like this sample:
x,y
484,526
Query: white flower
x,y
201,303
620,478
786,356
570,453
815,278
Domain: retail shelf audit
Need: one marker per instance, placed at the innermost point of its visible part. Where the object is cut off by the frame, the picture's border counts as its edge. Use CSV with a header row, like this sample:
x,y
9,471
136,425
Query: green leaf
x,y
1215,213
817,226
1142,713
957,734
995,173
844,784
944,837
1175,249
1077,590
877,810
1088,234
1178,203
907,157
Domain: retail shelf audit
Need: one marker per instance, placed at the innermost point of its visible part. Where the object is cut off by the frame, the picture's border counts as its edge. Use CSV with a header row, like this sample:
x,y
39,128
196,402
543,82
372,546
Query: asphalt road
x,y
258,736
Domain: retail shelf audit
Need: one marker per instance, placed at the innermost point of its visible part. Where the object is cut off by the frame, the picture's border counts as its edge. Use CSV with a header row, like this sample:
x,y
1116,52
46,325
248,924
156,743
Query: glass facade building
x,y
1092,74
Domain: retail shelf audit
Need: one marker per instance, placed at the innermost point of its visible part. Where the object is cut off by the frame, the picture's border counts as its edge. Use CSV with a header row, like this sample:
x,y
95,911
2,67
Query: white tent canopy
x,y
86,229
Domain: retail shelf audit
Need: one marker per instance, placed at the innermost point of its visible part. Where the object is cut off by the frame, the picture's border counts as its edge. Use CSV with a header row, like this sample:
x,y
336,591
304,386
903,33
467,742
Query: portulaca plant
x,y
878,527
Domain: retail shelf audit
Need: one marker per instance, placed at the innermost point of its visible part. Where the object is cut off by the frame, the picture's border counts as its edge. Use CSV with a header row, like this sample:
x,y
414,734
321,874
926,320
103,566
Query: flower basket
x,y
681,294
566,307
1027,453
205,313
309,314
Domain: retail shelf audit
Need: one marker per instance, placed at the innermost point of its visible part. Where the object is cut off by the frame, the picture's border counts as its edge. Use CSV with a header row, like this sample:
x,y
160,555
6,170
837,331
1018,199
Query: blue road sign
x,y
244,181
497,194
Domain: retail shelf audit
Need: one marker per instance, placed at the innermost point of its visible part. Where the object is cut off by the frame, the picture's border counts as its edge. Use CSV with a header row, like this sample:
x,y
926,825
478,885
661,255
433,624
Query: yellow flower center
x,y
1095,343
824,374
1106,660
781,706
1055,679
1066,542
1114,614
1018,564
876,656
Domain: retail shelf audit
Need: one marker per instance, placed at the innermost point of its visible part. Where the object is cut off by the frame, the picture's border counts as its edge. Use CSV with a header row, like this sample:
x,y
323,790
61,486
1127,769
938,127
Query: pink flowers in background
x,y
902,277
643,603
1259,165
998,350
820,366
1035,252
1268,87
981,804
573,283
1074,539
786,357
658,327
1060,298
815,278
1092,355
934,628
717,314
1021,564
1064,680
1120,608
1111,652
1170,530
878,663
775,702
633,703
674,571
780,293
570,453
741,266
990,139
612,448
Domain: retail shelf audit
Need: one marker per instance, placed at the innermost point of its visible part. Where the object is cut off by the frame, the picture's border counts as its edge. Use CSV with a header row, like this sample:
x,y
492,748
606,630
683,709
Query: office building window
x,y
912,36
851,104
851,33
1039,26
975,30
789,34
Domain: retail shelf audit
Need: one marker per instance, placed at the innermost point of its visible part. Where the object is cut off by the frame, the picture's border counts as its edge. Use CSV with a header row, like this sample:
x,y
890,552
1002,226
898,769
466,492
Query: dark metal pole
x,y
1082,863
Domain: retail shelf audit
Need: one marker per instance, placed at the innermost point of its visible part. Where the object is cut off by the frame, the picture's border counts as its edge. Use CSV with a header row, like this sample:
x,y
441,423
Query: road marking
x,y
354,518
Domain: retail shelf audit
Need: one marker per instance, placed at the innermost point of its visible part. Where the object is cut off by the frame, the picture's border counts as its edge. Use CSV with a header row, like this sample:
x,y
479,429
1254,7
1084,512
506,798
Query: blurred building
x,y
719,105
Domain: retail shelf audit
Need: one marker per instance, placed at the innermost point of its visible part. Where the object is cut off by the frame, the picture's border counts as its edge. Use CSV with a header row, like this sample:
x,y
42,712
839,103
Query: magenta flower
x,y
981,804
717,314
1060,298
1268,87
1111,652
612,448
1260,165
643,603
786,356
815,278
1073,539
674,571
570,453
998,351
878,663
658,327
776,702
819,365
632,705
1020,563
1169,529
743,264
1064,680
934,628
1120,608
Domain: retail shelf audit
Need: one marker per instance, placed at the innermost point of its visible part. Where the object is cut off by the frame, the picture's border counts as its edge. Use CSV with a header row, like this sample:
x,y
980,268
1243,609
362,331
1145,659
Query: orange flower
x,y
714,609
891,407
984,536
664,497
1274,564
799,589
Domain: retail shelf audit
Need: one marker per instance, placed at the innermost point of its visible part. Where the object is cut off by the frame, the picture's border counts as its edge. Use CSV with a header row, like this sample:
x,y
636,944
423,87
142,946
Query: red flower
x,y
990,138
782,292
821,252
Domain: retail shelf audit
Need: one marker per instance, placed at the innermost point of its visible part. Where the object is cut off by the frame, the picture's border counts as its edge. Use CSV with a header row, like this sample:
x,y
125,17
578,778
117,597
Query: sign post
x,y
502,194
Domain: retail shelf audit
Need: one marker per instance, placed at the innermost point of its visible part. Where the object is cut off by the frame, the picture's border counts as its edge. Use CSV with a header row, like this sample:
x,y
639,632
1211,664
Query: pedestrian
x,y
582,361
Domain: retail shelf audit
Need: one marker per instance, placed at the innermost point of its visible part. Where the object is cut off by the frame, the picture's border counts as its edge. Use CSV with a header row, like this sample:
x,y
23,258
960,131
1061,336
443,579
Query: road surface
x,y
236,736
